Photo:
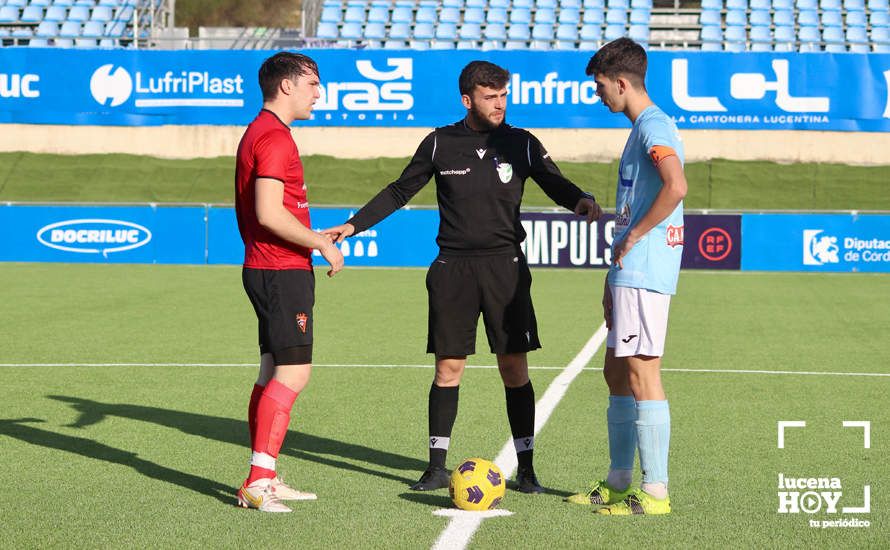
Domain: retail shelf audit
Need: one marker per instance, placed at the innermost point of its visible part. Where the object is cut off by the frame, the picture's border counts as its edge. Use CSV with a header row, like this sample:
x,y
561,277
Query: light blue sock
x,y
621,416
654,435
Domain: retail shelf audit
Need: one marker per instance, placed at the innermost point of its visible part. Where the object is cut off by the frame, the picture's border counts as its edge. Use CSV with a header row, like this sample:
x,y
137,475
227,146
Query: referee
x,y
480,164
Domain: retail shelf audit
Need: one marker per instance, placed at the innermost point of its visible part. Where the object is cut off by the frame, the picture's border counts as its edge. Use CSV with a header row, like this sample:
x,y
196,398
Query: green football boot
x,y
637,502
600,494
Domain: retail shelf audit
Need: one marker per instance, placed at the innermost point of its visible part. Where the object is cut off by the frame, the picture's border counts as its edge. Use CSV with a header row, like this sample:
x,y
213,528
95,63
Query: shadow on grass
x,y
227,430
432,500
22,430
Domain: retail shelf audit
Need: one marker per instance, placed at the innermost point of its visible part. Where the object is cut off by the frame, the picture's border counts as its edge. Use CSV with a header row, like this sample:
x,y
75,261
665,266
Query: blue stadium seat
x,y
21,33
426,14
474,15
854,5
735,38
710,17
496,15
124,13
470,31
399,31
449,15
525,4
445,31
737,5
736,17
618,4
519,33
9,14
520,15
545,15
378,14
476,3
857,35
467,45
639,17
37,42
402,14
570,4
70,29
515,45
90,3
810,39
593,16
546,4
567,32
499,4
419,45
614,31
495,31
393,44
327,29
564,45
712,34
93,29
118,28
808,18
712,5
879,19
86,43
783,18
426,31
104,3
375,31
108,43
78,13
761,5
833,37
639,34
641,5
761,39
47,29
616,17
856,19
880,37
16,3
540,45
832,19
760,18
878,5
542,31
55,13
459,4
593,4
570,16
31,14
101,13
351,31
783,4
591,33
354,14
830,5
39,3
807,4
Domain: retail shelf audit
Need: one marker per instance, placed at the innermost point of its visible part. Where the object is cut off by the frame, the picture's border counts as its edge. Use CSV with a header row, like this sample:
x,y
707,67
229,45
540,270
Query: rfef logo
x,y
715,244
94,236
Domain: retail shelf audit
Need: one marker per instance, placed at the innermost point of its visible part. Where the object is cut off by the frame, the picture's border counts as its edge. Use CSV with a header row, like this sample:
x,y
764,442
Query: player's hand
x,y
333,256
607,306
623,248
589,207
339,232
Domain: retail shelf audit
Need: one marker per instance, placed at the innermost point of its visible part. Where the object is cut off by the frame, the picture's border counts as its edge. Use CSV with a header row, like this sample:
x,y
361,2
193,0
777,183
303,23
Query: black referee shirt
x,y
480,178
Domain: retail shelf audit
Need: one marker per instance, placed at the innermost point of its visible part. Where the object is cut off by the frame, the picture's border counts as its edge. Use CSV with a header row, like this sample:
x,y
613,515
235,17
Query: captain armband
x,y
660,152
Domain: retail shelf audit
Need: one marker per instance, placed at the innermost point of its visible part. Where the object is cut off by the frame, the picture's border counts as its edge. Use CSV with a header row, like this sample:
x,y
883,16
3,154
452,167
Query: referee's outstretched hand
x,y
339,232
589,207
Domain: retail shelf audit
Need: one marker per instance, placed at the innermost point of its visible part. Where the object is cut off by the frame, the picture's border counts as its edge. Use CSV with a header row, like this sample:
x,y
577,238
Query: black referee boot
x,y
433,478
527,481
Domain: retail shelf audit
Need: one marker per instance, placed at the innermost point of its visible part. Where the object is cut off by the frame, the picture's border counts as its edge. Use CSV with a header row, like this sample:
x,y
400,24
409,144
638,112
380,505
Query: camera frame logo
x,y
813,495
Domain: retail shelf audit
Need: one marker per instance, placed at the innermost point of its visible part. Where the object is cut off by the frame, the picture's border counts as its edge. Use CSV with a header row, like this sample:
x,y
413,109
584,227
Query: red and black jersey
x,y
267,150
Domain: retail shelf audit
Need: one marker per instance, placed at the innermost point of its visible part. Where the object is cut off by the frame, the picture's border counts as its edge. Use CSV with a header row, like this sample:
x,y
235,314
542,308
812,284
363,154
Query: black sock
x,y
442,413
521,413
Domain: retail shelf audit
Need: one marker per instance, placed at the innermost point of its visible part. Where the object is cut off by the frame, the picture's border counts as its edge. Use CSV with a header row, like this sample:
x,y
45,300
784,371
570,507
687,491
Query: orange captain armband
x,y
660,152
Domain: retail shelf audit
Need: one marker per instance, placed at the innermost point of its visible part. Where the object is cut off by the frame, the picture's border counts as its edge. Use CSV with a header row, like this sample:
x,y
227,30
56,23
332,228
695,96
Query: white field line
x,y
430,366
460,528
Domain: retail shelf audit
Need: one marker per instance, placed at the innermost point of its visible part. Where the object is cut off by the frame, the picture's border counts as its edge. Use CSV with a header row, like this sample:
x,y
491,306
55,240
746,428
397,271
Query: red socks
x,y
272,418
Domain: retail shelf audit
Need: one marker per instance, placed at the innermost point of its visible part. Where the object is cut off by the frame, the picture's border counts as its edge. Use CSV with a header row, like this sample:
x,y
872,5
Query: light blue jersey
x,y
654,262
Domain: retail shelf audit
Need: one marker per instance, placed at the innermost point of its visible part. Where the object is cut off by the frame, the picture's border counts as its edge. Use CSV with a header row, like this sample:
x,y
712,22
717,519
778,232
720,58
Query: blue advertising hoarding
x,y
701,90
826,242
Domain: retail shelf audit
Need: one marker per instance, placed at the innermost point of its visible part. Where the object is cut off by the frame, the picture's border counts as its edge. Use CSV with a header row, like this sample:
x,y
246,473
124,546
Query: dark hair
x,y
621,57
280,66
482,73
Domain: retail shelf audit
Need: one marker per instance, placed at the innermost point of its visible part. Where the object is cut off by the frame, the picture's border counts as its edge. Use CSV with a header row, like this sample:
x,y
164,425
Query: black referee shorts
x,y
282,300
462,287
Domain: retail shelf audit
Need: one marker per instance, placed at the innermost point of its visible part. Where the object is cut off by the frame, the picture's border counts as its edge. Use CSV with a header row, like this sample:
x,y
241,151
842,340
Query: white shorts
x,y
639,322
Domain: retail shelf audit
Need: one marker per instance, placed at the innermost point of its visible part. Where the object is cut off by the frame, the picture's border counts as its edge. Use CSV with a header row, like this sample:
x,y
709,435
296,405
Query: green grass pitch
x,y
149,456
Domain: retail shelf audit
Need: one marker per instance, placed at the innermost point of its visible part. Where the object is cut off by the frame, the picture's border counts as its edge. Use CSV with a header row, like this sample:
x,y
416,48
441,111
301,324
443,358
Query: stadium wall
x,y
604,144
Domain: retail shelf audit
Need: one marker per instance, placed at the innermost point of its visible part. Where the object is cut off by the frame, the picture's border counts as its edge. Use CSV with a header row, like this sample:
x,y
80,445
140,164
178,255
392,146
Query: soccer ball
x,y
477,484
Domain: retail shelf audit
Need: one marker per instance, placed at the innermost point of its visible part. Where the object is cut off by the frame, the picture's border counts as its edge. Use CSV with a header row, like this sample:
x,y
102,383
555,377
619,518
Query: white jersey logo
x,y
481,152
505,171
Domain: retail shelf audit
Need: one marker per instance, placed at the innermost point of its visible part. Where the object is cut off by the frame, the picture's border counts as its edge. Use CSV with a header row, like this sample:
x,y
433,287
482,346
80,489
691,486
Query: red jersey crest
x,y
302,320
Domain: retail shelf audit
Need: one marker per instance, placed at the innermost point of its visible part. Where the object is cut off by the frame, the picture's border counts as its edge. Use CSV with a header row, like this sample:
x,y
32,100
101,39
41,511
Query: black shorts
x,y
282,300
462,287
